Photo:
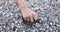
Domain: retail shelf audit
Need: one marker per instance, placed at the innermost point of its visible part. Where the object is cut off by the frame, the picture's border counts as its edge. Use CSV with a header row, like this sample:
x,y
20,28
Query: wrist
x,y
24,8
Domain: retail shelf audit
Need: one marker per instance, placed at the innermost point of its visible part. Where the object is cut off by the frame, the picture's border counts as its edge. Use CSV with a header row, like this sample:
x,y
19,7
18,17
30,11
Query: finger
x,y
35,16
27,18
31,19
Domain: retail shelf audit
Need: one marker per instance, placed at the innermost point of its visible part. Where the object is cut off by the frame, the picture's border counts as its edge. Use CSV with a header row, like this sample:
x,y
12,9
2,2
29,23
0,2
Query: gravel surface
x,y
11,18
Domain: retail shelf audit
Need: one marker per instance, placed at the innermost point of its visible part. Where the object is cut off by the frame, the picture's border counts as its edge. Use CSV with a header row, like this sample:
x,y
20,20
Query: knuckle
x,y
32,14
25,17
29,15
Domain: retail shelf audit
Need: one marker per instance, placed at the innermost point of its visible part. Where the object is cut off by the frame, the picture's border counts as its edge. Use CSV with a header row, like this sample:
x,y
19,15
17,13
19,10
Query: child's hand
x,y
29,15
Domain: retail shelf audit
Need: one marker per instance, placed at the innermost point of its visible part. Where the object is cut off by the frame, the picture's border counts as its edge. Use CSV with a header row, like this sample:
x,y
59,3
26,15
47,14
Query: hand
x,y
29,15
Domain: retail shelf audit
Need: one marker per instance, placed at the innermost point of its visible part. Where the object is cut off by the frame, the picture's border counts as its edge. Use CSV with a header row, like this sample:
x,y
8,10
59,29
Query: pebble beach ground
x,y
11,17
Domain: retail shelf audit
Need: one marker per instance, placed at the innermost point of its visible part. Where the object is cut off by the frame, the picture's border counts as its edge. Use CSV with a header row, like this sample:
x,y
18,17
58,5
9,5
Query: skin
x,y
27,13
